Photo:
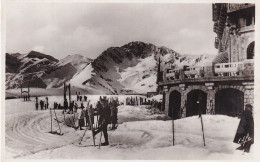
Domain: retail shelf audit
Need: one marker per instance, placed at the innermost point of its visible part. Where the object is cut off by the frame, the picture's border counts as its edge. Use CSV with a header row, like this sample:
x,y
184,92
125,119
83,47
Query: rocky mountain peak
x,y
35,54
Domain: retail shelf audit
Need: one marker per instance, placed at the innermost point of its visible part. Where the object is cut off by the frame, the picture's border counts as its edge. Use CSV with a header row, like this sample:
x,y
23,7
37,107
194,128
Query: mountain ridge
x,y
131,68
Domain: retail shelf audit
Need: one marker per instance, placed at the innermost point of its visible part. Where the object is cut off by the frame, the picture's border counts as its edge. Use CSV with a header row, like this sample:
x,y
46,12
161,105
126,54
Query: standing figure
x,y
71,107
104,120
55,105
36,103
41,104
81,117
245,131
65,105
77,96
80,98
46,103
114,112
91,115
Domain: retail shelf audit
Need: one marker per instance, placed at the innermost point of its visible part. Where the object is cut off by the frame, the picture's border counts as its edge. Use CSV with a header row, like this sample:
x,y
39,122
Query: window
x,y
248,20
251,50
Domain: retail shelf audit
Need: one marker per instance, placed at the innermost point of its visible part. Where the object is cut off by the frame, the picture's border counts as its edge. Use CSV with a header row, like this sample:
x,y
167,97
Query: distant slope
x,y
41,70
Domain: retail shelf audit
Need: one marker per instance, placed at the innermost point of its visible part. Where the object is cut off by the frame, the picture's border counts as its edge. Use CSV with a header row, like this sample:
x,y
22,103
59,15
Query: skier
x,y
71,107
81,117
65,105
41,104
85,98
77,96
36,103
104,120
245,130
55,105
114,111
80,98
46,103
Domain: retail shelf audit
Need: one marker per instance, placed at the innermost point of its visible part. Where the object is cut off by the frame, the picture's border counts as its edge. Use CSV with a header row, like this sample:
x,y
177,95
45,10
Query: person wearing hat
x,y
104,120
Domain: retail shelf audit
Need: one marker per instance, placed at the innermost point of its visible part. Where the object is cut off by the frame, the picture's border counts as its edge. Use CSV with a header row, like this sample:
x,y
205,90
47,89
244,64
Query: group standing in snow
x,y
43,104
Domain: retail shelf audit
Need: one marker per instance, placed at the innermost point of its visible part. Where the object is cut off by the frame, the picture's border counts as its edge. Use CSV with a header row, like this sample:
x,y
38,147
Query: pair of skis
x,y
91,126
90,113
58,122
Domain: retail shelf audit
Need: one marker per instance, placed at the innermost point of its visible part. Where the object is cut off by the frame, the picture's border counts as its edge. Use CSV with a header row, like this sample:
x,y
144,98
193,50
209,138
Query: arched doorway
x,y
196,99
251,51
175,105
229,102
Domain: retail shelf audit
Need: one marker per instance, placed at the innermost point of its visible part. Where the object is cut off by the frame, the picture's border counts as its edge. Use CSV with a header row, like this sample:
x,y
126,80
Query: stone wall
x,y
211,89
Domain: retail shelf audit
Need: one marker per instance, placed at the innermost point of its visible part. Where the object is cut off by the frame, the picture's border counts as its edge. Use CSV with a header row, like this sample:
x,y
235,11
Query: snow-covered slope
x,y
142,77
139,136
78,61
41,70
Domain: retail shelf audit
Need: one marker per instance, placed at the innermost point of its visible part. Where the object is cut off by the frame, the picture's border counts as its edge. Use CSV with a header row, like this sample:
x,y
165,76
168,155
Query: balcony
x,y
247,29
233,71
231,7
232,67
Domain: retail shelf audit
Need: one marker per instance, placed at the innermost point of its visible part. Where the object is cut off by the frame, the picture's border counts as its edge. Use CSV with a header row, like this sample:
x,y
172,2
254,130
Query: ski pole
x,y
57,120
83,136
100,137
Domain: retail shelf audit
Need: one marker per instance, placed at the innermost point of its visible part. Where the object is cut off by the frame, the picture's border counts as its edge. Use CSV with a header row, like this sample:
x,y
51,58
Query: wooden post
x,y
69,94
200,115
51,119
172,129
64,92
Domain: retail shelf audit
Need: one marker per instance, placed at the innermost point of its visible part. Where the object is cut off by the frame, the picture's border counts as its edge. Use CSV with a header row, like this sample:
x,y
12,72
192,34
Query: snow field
x,y
143,138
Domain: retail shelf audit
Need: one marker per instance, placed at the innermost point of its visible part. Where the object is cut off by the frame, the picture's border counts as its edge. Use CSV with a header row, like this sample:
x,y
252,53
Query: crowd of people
x,y
104,112
43,104
26,98
136,101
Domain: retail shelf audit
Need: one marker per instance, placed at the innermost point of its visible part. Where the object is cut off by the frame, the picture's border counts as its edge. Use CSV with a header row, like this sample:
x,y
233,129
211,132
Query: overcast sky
x,y
60,29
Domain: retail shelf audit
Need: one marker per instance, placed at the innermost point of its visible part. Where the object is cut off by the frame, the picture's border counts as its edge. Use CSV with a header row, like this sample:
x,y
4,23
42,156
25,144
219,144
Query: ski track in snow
x,y
29,133
27,136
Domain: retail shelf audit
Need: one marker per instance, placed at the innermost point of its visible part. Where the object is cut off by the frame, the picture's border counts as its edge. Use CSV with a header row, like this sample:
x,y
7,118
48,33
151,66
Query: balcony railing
x,y
220,71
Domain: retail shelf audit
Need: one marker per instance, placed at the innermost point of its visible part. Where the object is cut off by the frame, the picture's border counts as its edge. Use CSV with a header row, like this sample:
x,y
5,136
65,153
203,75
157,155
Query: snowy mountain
x,y
131,68
41,70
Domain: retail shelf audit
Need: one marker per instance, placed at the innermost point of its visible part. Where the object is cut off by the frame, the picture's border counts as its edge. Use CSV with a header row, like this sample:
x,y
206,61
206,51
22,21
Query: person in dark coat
x,y
65,105
36,103
46,103
41,104
104,120
114,111
245,131
71,107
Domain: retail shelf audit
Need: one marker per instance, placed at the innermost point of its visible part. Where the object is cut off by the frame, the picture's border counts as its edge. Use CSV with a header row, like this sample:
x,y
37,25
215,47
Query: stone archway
x,y
175,105
229,102
196,98
251,51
